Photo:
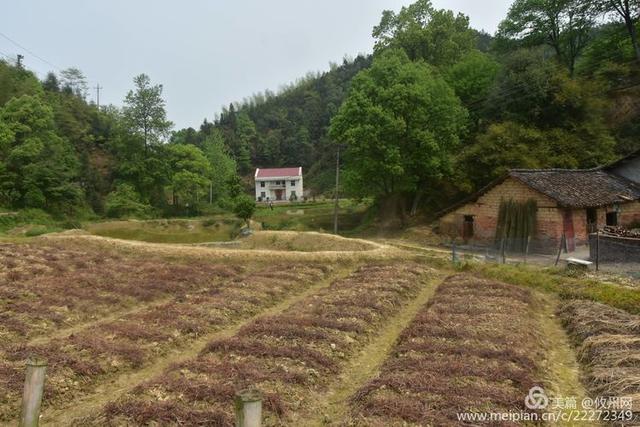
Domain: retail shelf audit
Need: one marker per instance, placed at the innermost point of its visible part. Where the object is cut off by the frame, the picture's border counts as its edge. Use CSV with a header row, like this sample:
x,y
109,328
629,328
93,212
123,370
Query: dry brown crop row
x,y
289,357
472,348
608,341
80,361
44,289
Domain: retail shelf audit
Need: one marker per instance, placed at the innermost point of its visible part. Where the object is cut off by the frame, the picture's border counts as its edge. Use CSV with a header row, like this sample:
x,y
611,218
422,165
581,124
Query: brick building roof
x,y
579,188
572,188
278,172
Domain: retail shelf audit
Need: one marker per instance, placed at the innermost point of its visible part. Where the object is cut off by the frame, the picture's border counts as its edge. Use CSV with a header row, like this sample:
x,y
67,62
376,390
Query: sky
x,y
205,53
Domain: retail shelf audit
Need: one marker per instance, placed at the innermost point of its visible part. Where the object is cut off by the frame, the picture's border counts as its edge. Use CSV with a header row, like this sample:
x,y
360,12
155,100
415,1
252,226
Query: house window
x,y
262,185
612,218
263,194
293,183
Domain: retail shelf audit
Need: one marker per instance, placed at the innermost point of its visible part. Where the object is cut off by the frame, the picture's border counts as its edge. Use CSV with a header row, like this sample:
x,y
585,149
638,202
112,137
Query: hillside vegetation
x,y
438,110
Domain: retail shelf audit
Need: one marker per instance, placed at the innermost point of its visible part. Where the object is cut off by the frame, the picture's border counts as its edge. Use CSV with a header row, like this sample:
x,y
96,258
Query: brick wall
x,y
485,215
550,224
629,214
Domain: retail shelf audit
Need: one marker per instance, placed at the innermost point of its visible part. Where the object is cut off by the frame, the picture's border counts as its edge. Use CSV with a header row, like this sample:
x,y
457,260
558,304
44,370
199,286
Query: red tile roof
x,y
278,172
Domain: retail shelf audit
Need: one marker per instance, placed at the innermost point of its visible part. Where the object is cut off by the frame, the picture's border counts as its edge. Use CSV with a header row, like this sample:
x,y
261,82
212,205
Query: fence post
x,y
248,406
33,389
597,250
454,254
526,249
502,250
562,243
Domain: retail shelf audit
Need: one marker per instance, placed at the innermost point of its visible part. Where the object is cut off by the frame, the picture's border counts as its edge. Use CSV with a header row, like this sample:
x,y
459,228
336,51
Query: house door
x,y
467,227
569,235
278,194
592,220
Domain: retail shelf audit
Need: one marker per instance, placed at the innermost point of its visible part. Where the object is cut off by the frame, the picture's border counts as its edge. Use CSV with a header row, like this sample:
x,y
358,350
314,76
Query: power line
x,y
28,51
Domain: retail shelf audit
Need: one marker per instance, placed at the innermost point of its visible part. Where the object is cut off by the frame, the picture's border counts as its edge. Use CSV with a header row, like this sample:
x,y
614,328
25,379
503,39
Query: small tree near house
x,y
244,208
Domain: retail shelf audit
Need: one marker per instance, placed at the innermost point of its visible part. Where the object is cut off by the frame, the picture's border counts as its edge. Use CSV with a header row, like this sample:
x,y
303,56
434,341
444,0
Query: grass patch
x,y
303,241
311,216
169,231
557,282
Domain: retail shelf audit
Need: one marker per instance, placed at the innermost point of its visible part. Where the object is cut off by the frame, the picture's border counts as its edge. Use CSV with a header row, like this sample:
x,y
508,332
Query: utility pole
x,y
335,206
97,88
19,60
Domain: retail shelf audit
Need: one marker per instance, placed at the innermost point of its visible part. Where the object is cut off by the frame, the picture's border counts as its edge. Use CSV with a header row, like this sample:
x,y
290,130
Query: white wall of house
x,y
269,188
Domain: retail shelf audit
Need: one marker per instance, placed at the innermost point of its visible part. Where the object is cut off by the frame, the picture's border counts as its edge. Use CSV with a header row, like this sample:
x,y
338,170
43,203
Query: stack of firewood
x,y
620,231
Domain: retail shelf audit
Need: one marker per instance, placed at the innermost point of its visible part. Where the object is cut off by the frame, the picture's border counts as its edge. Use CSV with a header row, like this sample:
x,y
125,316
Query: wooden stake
x,y
248,406
562,243
597,250
33,389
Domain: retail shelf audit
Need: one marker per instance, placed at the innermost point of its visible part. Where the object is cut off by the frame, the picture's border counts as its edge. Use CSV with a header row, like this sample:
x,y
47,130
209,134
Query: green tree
x,y
39,168
144,112
125,202
73,81
223,167
190,172
400,123
437,36
565,25
629,12
15,82
244,208
245,142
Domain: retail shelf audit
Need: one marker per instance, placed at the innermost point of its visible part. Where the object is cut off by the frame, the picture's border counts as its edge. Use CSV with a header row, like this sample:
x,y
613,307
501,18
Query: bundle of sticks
x,y
620,231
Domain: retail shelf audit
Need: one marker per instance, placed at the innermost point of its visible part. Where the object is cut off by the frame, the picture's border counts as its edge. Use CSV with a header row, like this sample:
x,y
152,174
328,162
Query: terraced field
x,y
153,335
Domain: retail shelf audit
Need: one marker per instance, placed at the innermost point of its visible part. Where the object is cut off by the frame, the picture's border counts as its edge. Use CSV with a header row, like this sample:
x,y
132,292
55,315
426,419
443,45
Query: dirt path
x,y
334,405
561,367
117,386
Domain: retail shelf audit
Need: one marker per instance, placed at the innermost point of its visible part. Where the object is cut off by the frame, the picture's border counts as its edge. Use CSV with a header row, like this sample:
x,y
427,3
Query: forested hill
x,y
438,110
288,128
541,92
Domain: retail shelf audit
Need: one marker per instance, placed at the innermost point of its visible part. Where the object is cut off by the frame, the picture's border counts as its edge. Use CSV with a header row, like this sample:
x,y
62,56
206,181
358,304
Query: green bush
x,y
126,202
244,208
25,217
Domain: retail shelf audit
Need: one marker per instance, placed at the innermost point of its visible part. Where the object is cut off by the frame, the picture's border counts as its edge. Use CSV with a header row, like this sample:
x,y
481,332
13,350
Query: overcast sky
x,y
206,53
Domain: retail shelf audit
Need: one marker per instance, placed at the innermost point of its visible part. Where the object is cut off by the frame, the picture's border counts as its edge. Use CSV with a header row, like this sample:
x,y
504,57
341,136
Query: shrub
x,y
126,202
244,208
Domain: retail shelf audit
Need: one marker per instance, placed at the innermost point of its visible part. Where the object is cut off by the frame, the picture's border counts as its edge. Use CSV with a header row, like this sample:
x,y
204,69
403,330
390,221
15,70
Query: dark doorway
x,y
569,235
592,220
612,218
278,194
467,227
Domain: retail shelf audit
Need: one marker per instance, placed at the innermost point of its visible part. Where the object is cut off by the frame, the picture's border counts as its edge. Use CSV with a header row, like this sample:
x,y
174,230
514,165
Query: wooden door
x,y
569,235
467,228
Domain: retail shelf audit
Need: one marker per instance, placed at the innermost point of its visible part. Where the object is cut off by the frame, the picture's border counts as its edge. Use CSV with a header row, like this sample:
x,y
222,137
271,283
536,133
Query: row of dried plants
x,y
472,348
608,343
198,306
289,357
45,289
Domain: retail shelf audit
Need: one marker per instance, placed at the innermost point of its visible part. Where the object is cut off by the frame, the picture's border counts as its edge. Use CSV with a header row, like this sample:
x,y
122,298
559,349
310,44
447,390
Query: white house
x,y
278,184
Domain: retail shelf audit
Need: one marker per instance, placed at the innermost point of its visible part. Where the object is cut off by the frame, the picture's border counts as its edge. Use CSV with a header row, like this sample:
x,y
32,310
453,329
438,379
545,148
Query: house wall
x,y
629,214
288,188
485,215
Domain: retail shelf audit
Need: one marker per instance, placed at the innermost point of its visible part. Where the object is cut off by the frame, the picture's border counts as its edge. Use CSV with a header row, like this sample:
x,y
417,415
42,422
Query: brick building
x,y
569,202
